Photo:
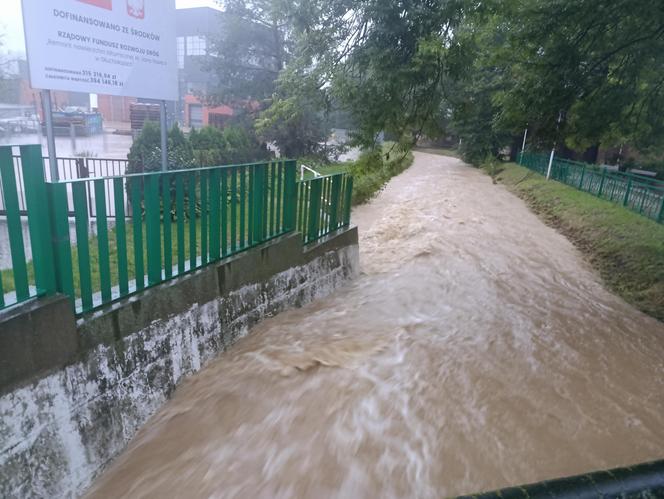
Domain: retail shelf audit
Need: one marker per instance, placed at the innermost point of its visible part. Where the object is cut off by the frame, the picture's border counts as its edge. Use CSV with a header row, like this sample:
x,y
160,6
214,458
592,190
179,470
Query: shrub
x,y
145,152
375,168
232,145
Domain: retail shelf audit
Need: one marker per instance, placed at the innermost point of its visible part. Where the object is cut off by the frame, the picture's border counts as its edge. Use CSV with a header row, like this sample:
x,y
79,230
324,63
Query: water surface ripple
x,y
476,351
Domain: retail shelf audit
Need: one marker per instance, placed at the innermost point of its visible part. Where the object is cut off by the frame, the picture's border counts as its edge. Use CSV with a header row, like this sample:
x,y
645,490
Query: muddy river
x,y
477,350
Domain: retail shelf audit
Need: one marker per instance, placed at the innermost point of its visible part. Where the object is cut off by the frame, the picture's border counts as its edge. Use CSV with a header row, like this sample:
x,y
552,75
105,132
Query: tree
x,y
575,72
598,66
249,52
7,85
295,126
385,61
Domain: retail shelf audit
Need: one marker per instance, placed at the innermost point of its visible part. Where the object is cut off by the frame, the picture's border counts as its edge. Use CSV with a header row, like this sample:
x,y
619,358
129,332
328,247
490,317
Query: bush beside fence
x,y
639,194
131,232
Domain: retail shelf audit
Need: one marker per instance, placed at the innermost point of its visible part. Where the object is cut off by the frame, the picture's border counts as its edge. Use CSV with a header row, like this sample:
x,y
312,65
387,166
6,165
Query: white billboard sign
x,y
113,47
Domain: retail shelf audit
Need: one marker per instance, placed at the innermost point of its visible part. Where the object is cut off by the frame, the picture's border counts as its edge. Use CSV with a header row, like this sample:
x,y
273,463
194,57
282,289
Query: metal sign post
x,y
525,137
548,170
50,135
164,137
555,144
523,146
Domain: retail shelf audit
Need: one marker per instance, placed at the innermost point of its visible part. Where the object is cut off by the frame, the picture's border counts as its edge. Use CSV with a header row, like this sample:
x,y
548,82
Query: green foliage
x,y
206,138
384,62
593,76
243,146
232,145
375,168
601,66
209,145
294,125
250,50
577,73
143,147
145,153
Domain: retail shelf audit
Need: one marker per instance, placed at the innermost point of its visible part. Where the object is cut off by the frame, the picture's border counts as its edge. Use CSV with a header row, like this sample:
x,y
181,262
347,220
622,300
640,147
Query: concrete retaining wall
x,y
64,417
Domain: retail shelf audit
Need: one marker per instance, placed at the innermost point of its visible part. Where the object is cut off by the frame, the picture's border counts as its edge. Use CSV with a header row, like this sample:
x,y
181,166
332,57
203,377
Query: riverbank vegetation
x,y
476,72
371,171
625,248
481,72
374,169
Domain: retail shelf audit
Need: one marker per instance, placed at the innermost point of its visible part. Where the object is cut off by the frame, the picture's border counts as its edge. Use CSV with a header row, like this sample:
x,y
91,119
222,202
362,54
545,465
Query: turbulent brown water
x,y
476,351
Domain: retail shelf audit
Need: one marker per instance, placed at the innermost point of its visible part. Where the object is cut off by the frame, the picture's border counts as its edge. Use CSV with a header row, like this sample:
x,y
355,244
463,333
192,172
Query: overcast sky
x,y
11,21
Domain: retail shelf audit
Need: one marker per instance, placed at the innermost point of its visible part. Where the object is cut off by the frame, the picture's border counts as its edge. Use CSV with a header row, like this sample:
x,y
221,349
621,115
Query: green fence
x,y
69,169
25,280
160,226
639,194
323,205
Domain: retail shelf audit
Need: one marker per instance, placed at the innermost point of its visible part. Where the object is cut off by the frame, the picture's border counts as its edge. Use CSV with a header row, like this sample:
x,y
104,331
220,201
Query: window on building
x,y
181,52
196,116
196,45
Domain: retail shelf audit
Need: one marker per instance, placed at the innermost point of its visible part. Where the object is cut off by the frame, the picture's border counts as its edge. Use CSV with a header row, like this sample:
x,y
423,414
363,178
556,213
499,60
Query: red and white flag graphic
x,y
136,8
104,4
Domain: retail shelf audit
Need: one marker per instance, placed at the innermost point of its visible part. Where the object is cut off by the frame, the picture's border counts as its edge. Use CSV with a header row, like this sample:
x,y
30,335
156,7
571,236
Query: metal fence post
x,y
336,201
523,146
258,189
601,183
627,192
153,229
583,174
14,227
548,170
348,200
59,212
660,217
314,210
39,221
290,196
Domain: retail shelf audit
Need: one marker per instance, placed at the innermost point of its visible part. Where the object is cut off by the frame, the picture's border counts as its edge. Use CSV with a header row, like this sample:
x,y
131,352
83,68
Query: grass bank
x,y
371,171
375,169
625,248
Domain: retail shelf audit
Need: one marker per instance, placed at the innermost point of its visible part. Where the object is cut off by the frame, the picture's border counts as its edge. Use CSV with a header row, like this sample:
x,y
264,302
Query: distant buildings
x,y
195,28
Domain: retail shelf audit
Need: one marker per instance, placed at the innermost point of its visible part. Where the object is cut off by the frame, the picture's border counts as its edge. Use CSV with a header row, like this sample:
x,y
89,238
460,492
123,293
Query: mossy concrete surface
x,y
62,421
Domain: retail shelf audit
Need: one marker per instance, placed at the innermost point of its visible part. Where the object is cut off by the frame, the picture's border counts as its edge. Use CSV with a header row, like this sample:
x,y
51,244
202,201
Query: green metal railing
x,y
639,194
324,205
25,280
164,225
101,239
641,481
70,169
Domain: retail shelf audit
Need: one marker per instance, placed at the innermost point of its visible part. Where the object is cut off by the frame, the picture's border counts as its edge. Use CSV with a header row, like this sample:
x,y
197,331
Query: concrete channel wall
x,y
72,394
